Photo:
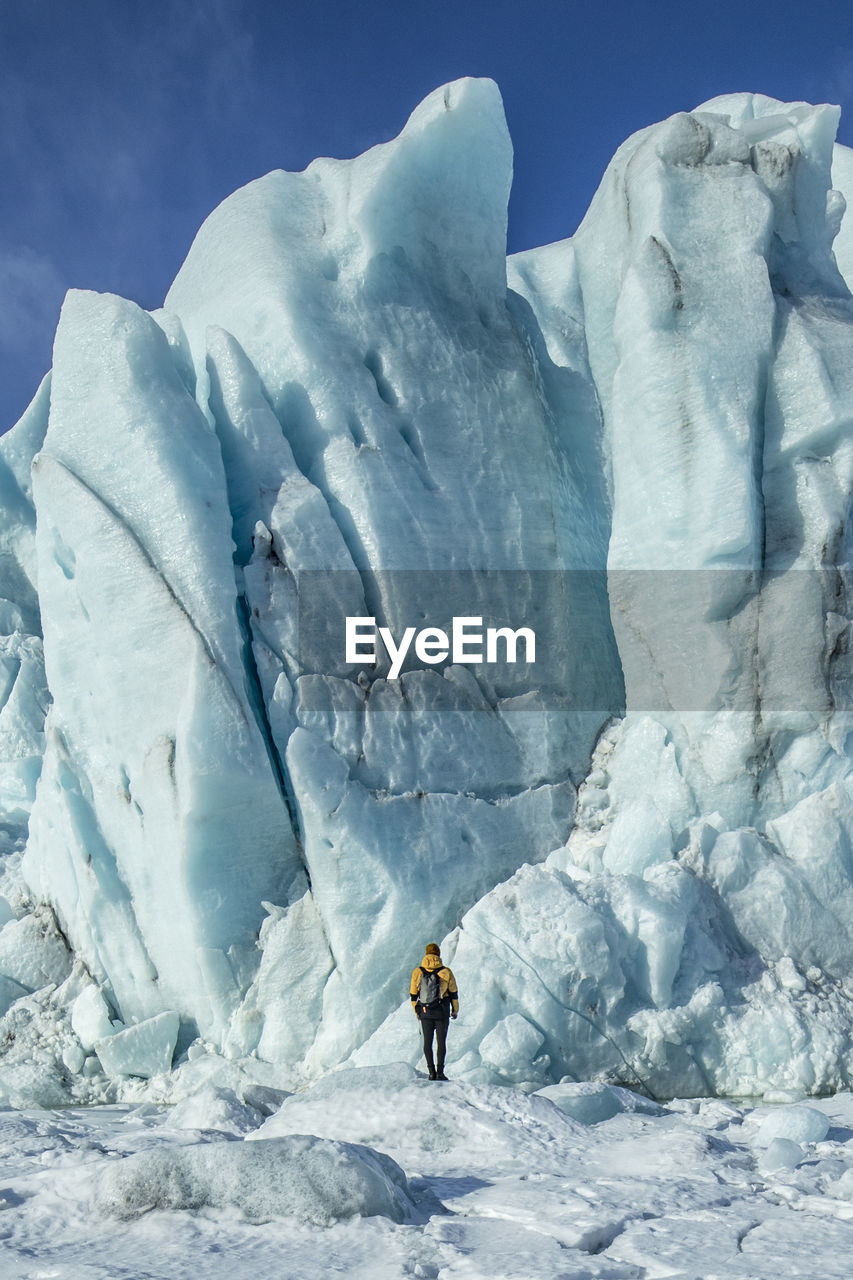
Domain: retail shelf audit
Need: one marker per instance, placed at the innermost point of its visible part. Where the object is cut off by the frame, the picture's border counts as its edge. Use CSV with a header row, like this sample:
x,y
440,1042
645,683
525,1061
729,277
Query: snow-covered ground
x,y
407,1178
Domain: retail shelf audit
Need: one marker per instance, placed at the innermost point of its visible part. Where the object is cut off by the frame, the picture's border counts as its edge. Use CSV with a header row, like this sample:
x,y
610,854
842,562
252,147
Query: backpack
x,y
429,994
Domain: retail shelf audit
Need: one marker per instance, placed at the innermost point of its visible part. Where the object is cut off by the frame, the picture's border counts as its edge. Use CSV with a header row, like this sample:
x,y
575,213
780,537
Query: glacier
x,y
223,845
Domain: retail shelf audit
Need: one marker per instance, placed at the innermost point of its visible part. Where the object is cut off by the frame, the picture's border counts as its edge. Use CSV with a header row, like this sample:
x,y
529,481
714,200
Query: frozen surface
x,y
637,851
403,1177
213,1107
339,317
155,768
144,1049
311,1180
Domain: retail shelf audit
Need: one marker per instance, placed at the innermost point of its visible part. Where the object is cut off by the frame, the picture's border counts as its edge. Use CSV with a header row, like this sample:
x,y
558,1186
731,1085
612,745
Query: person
x,y
434,1013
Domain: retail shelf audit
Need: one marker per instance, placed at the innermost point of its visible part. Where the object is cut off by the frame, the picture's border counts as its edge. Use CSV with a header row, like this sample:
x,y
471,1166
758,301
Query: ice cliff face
x,y
636,442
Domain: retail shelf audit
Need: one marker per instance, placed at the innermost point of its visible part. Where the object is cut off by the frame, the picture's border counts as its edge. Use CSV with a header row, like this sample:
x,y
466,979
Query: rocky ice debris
x,y
310,1180
144,1049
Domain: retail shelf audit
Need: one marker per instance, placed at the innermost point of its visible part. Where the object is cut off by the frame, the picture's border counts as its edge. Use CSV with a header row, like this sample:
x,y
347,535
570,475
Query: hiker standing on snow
x,y
435,1001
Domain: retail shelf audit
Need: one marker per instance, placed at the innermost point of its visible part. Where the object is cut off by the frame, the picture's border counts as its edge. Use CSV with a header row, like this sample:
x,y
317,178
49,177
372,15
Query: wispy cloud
x,y
835,84
840,79
32,289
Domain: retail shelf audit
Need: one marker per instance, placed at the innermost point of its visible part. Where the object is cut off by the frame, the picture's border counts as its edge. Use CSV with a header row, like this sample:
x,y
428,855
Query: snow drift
x,y
636,442
311,1180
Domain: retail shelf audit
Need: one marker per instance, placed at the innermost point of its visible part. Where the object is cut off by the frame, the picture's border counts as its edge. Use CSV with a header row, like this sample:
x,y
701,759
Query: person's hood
x,y
432,962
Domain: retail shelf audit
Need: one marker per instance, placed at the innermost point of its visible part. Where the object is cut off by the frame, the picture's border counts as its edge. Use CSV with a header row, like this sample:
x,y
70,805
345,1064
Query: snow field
x,y
406,1177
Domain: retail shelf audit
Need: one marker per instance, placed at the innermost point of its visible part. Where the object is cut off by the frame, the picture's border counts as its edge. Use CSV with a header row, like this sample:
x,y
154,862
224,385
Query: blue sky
x,y
124,122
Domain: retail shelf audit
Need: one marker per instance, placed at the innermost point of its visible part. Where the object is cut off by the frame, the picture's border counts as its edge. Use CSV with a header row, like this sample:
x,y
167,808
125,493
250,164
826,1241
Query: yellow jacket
x,y
446,982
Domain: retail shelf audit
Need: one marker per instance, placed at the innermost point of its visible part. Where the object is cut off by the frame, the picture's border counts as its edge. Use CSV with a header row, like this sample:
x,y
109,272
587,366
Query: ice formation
x,y
311,1180
637,442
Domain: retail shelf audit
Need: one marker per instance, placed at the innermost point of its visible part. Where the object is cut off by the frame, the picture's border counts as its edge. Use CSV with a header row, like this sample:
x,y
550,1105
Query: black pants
x,y
435,1027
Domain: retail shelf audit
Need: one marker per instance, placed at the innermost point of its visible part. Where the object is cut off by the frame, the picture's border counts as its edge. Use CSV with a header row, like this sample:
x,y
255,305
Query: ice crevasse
x,y
223,840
